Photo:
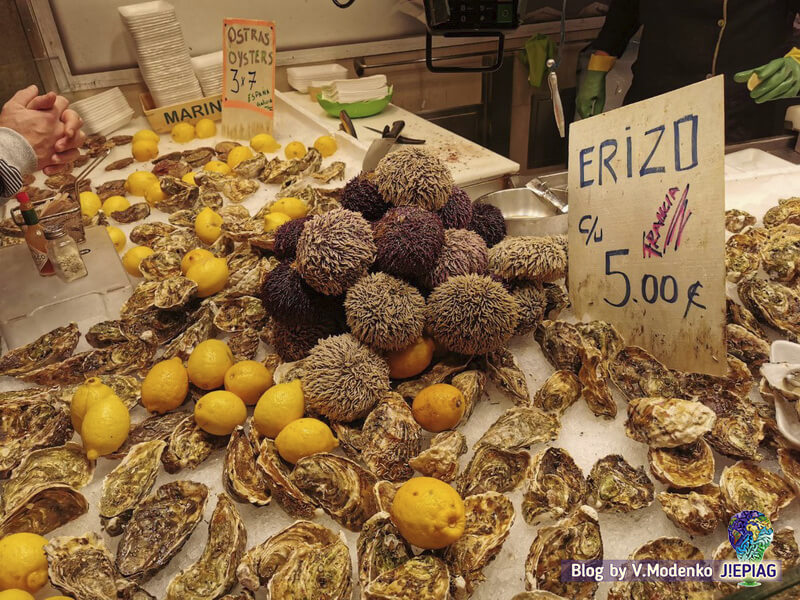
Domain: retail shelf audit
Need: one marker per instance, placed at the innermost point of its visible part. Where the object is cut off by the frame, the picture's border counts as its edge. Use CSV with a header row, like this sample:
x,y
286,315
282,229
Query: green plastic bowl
x,y
355,110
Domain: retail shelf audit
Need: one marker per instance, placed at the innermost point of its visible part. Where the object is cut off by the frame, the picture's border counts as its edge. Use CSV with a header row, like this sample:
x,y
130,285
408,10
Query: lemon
x,y
115,203
248,379
182,133
137,182
105,426
165,386
295,150
303,437
237,155
189,178
293,207
410,361
217,166
264,142
146,134
86,394
210,276
428,513
438,407
133,258
194,257
274,220
326,145
24,563
15,594
205,128
154,193
208,224
90,203
208,363
144,150
117,237
219,412
279,406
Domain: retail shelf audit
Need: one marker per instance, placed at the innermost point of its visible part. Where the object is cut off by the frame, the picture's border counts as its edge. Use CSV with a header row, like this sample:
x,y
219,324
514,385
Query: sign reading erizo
x,y
646,224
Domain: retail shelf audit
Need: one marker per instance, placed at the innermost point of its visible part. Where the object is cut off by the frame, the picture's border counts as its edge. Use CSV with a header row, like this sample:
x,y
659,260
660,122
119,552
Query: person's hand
x,y
779,78
591,98
67,146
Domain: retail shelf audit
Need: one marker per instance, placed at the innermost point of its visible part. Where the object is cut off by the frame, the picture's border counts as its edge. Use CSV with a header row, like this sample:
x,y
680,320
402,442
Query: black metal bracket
x,y
429,59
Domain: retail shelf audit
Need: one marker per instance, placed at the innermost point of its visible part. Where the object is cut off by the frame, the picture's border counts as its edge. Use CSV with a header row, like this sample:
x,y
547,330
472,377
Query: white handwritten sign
x,y
646,224
248,86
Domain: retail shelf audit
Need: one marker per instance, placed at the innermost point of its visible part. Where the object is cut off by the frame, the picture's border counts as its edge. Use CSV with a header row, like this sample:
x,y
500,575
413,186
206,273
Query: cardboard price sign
x,y
248,84
647,224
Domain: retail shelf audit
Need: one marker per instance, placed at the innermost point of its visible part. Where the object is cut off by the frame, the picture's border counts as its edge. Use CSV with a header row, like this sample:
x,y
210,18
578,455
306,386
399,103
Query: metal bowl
x,y
525,213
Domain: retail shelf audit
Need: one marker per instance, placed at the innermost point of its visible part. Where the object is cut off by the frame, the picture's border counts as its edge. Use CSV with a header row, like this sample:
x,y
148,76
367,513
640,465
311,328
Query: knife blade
x,y
381,146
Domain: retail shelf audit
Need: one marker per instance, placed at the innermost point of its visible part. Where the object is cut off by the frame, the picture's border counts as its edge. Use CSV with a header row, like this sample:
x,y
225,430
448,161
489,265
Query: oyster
x,y
197,157
637,373
83,567
242,595
746,346
739,315
43,508
736,220
424,577
188,446
161,265
238,190
521,427
322,572
198,331
59,180
780,253
128,484
561,390
667,422
789,461
242,478
222,148
184,218
593,376
576,537
688,466
278,171
504,370
171,167
449,366
333,171
615,486
380,548
384,494
787,211
237,314
489,518
252,167
441,459
158,528
214,573
698,511
244,344
746,486
773,304
140,301
311,162
392,437
738,430
54,346
157,427
119,164
561,344
155,327
135,212
339,486
293,500
538,595
742,257
555,486
601,336
148,233
180,241
105,333
493,469
737,380
471,384
179,195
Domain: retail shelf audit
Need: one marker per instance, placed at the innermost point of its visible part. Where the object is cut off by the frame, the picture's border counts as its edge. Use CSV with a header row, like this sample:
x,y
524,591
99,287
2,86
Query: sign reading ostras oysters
x,y
248,50
646,224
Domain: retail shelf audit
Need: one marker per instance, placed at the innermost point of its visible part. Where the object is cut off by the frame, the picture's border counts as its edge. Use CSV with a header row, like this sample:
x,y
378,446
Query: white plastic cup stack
x,y
104,112
208,69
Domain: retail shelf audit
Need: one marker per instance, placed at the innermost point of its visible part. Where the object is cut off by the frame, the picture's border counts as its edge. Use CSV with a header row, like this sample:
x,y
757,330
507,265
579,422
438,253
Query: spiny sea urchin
x,y
457,212
361,195
532,301
287,298
344,379
409,240
471,314
488,222
334,250
384,312
413,176
529,258
294,342
286,236
463,252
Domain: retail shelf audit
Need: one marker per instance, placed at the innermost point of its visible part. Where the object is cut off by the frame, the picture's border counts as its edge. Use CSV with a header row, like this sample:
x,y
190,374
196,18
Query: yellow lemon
x,y
105,426
293,207
194,257
410,361
217,166
90,203
117,237
248,379
295,150
205,128
210,276
208,363
304,437
15,594
280,405
237,155
144,150
208,225
137,182
326,145
133,258
86,394
219,412
428,513
182,133
146,134
24,565
264,142
189,178
438,407
165,386
154,193
115,203
274,220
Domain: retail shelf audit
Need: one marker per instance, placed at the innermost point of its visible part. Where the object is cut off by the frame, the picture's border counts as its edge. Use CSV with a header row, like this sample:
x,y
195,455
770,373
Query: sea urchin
x,y
286,236
457,212
287,298
294,342
463,252
529,258
361,195
409,240
488,222
413,176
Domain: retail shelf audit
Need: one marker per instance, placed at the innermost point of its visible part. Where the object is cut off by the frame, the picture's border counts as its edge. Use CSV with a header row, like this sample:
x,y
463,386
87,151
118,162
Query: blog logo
x,y
750,534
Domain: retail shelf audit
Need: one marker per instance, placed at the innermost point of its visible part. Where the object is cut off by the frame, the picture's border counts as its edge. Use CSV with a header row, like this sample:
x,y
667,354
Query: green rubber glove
x,y
779,78
591,97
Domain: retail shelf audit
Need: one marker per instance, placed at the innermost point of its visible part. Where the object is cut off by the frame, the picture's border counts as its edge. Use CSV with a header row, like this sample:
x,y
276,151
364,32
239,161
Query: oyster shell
x,y
555,486
789,461
561,390
179,195
561,344
158,528
742,257
787,211
738,430
128,484
155,326
780,253
120,164
188,446
252,167
615,486
538,595
198,331
237,314
688,466
339,486
172,167
449,366
746,486
384,494
441,459
180,241
736,220
115,187
197,157
53,346
322,572
222,148
391,437
241,595
278,171
739,315
214,573
105,333
244,344
521,427
698,511
424,577
184,218
238,190
140,301
667,422
161,265
43,508
333,171
380,548
293,500
135,212
493,469
59,180
148,233
471,384
737,380
637,373
157,427
593,376
504,370
576,537
242,478
601,336
746,346
773,304
489,518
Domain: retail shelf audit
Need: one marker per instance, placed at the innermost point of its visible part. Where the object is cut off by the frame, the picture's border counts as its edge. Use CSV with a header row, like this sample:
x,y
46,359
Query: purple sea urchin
x,y
529,258
413,176
385,312
463,252
457,212
286,236
344,379
334,250
409,240
471,314
488,222
294,342
361,195
287,298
